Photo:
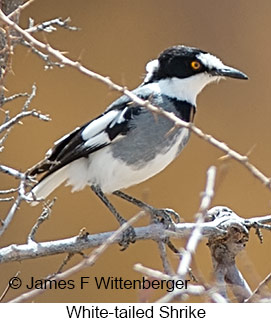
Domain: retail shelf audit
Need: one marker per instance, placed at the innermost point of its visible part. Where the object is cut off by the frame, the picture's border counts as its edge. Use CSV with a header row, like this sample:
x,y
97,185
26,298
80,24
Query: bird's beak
x,y
228,71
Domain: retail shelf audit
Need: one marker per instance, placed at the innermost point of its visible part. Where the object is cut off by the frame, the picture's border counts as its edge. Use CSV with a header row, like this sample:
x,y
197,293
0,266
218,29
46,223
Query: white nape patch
x,y
151,67
210,60
185,89
98,125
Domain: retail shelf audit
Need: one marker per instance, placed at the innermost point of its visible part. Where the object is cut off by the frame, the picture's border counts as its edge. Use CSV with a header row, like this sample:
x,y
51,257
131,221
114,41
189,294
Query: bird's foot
x,y
165,216
128,236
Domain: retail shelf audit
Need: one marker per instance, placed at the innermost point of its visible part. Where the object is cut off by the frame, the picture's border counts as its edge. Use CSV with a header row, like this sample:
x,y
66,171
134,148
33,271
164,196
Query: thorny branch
x,y
49,26
221,225
22,115
196,234
47,209
88,261
214,228
24,179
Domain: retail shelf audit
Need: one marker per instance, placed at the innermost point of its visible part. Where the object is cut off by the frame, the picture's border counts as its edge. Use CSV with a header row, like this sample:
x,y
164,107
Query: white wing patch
x,y
98,140
119,118
99,125
95,135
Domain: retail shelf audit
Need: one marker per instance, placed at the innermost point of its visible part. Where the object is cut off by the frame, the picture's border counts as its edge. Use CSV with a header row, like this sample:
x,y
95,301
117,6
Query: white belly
x,y
114,174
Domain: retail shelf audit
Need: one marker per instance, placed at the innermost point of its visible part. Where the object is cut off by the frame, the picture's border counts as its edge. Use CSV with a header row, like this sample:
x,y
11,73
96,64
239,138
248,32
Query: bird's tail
x,y
48,184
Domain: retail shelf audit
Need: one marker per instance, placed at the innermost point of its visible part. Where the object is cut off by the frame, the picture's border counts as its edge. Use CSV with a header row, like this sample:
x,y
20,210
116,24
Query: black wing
x,y
92,136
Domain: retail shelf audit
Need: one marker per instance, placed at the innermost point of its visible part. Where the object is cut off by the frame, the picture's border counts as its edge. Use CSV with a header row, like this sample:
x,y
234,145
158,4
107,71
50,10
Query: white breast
x,y
113,174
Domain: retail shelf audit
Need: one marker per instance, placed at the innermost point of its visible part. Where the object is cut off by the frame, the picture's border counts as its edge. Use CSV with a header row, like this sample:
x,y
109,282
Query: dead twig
x,y
88,261
196,235
46,212
8,287
50,25
20,116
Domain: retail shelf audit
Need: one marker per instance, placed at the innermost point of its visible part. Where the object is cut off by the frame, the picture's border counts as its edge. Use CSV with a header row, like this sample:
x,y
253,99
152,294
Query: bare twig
x,y
63,264
163,255
196,235
21,115
3,139
6,199
49,26
76,244
10,122
5,223
21,195
46,212
8,287
12,172
259,290
14,96
49,64
88,261
30,98
9,191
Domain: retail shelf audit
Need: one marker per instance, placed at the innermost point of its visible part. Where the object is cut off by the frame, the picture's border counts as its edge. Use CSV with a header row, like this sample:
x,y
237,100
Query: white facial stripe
x,y
210,60
185,89
151,67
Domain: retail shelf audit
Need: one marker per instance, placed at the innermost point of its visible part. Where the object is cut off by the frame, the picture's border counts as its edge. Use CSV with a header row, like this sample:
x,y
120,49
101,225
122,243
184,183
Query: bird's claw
x,y
128,237
165,216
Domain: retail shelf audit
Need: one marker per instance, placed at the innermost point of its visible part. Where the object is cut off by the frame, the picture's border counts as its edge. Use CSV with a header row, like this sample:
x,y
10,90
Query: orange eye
x,y
195,65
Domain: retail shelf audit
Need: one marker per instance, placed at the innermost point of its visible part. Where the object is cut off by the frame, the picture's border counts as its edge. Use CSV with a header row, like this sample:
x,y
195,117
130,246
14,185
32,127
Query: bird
x,y
128,144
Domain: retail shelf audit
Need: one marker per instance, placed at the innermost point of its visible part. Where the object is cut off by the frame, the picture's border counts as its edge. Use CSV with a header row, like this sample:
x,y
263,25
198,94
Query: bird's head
x,y
187,70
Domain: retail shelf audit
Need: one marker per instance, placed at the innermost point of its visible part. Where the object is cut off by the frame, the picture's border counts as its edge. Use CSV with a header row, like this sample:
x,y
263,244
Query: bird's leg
x,y
161,215
129,234
164,214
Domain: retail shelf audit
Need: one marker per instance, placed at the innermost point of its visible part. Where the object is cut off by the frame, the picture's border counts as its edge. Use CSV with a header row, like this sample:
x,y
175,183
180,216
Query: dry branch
x,y
24,179
86,262
215,228
196,234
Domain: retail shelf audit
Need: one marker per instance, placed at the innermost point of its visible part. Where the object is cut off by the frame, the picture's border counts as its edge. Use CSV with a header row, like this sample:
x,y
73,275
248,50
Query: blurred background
x,y
117,38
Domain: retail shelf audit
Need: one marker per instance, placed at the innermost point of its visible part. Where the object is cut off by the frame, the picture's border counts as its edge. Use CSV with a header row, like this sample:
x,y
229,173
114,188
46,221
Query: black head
x,y
183,62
